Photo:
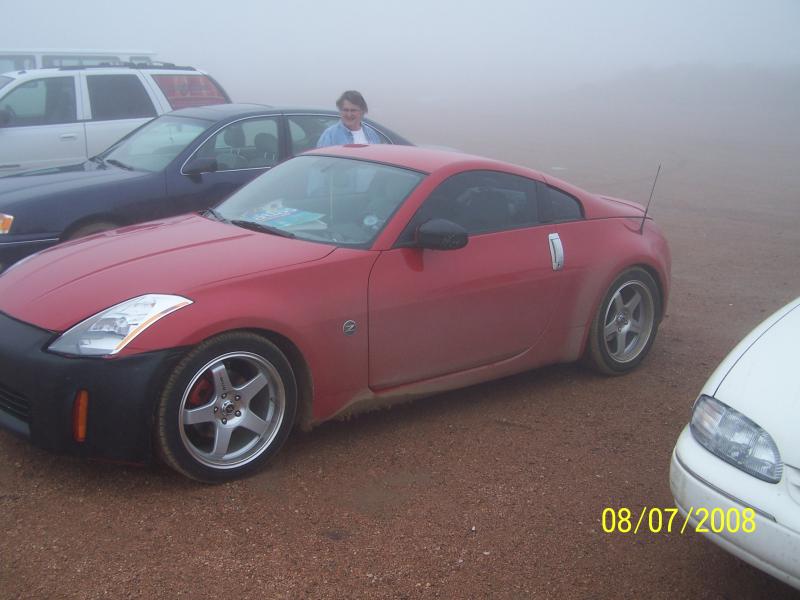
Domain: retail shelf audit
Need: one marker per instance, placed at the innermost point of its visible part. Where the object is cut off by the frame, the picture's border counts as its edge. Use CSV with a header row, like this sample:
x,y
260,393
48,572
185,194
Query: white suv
x,y
52,117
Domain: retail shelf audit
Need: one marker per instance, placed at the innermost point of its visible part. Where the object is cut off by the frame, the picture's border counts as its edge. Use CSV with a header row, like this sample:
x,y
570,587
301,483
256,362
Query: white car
x,y
735,470
62,116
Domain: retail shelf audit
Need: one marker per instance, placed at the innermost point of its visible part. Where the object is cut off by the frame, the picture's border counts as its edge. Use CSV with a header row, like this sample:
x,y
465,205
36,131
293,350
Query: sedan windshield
x,y
323,199
153,146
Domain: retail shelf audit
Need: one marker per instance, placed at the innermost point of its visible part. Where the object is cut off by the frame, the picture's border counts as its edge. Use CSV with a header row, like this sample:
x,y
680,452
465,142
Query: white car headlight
x,y
736,439
109,331
5,223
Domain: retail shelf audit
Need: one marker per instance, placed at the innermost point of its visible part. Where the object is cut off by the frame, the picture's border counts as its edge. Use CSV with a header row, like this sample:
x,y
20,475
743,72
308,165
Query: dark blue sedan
x,y
184,161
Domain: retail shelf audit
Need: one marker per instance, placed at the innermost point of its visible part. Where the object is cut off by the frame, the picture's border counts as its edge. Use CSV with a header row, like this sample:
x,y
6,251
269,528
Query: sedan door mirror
x,y
441,234
200,165
5,117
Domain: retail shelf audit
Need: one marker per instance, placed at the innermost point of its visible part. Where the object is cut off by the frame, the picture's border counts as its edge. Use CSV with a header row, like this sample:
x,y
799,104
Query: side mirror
x,y
441,234
201,165
5,117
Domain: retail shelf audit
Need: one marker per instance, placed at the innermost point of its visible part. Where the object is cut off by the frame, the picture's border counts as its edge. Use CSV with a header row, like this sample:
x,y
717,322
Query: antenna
x,y
647,208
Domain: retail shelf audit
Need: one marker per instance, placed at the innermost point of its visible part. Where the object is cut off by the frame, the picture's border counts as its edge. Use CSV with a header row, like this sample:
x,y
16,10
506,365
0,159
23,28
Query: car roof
x,y
426,160
152,68
226,111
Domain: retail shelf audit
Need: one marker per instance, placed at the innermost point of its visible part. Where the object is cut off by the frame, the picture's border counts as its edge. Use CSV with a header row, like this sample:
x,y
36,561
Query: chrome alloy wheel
x,y
232,410
628,321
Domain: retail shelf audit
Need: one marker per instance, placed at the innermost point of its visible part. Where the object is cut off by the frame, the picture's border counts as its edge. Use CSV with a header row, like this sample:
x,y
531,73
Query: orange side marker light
x,y
80,414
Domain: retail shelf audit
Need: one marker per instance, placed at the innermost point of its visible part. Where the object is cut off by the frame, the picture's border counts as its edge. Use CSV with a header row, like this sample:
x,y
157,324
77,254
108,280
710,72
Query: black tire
x,y
89,229
625,325
226,408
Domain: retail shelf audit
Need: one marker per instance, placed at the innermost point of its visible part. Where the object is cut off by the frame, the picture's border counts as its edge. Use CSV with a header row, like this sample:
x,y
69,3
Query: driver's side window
x,y
45,101
480,202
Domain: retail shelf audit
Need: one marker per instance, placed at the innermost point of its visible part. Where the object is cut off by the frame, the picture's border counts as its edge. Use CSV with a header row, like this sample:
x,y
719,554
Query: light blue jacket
x,y
338,134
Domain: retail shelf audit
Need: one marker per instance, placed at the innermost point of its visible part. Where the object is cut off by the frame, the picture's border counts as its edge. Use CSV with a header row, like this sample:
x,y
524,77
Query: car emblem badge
x,y
349,327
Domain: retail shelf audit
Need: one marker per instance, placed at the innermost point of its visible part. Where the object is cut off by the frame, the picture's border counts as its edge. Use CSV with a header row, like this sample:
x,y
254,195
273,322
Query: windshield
x,y
4,81
153,146
324,199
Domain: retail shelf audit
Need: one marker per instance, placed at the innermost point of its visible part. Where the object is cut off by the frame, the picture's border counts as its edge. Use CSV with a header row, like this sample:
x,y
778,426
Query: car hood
x,y
60,181
57,288
759,378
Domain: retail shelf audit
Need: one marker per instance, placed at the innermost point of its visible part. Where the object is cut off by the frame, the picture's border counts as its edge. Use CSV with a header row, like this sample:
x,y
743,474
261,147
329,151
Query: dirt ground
x,y
493,491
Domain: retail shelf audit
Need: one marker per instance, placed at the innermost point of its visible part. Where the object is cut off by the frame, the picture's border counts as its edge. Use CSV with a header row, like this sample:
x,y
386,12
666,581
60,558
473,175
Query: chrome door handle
x,y
68,137
556,251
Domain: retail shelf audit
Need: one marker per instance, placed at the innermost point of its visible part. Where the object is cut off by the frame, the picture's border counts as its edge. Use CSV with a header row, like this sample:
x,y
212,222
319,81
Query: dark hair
x,y
353,97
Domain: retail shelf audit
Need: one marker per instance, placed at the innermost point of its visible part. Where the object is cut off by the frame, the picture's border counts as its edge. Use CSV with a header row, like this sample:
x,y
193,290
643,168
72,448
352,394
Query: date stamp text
x,y
668,520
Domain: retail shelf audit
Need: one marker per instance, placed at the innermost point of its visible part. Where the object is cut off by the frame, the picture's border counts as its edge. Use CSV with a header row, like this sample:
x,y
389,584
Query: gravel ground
x,y
493,491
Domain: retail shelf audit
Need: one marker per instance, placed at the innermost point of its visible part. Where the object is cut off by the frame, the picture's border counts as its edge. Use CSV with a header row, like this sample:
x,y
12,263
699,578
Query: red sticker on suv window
x,y
183,91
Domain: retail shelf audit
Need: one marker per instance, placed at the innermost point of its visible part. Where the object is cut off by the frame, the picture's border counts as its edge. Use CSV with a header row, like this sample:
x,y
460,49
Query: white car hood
x,y
761,379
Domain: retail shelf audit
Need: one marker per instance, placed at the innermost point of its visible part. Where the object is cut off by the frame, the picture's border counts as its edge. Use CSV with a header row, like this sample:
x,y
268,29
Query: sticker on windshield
x,y
282,217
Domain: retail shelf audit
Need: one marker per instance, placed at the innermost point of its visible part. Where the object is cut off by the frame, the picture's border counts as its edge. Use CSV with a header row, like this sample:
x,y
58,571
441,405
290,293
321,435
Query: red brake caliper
x,y
202,391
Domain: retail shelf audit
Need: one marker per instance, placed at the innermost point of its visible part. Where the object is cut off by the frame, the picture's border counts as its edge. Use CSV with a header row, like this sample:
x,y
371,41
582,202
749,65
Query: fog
x,y
600,91
425,52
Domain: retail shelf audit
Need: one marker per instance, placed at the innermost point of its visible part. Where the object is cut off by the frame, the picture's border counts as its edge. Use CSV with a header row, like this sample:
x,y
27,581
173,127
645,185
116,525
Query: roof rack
x,y
129,65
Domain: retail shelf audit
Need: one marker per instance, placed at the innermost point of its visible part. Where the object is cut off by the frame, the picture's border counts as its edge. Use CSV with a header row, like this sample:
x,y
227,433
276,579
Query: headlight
x,y
111,330
736,439
5,223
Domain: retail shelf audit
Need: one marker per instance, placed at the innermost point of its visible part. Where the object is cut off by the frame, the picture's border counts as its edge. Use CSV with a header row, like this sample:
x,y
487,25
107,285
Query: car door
x,y
434,312
42,128
243,150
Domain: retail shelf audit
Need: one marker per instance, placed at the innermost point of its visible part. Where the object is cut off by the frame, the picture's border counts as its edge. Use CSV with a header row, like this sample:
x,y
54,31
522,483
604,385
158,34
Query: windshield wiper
x,y
121,165
212,214
98,160
262,228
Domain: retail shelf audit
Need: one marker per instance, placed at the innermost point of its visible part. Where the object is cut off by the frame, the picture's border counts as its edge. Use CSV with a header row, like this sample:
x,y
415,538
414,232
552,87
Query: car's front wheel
x,y
89,229
626,323
226,408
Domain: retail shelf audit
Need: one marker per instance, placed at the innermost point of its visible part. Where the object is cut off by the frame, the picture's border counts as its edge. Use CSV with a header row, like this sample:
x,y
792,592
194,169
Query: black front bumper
x,y
38,389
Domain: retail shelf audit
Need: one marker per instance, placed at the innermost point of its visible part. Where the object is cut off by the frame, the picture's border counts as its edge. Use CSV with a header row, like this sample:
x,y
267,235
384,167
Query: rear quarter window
x,y
183,91
556,205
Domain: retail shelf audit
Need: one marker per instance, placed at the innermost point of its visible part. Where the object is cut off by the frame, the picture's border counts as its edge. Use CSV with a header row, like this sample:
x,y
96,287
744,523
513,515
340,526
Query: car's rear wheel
x,y
626,323
227,408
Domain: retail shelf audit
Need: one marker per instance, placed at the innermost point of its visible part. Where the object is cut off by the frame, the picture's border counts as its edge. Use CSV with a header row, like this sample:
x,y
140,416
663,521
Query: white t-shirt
x,y
359,137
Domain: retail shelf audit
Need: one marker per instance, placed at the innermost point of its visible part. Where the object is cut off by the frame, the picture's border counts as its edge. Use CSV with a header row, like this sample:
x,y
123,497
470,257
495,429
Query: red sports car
x,y
344,278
